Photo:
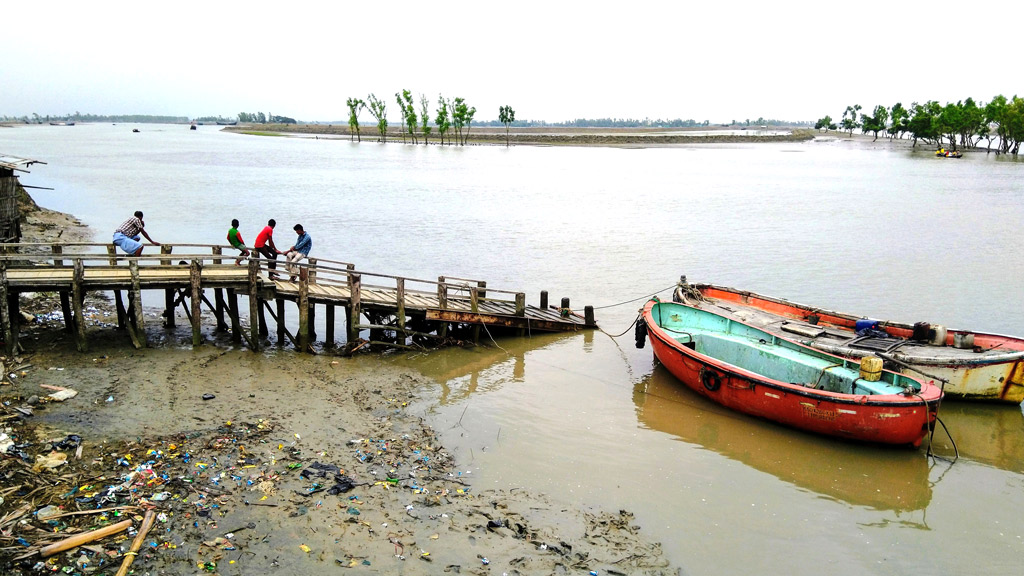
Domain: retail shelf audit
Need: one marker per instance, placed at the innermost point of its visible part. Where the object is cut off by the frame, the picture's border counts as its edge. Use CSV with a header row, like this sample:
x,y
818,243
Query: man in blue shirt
x,y
303,244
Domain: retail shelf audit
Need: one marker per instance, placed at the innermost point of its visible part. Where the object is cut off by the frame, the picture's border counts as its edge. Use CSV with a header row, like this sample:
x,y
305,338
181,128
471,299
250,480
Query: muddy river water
x,y
871,228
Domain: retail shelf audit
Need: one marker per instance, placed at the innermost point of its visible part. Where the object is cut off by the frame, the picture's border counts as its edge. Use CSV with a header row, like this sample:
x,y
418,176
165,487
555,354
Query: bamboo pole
x,y
279,318
129,557
79,539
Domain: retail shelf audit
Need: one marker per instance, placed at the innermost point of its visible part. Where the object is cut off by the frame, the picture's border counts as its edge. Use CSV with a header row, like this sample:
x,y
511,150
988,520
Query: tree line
x,y
452,117
962,124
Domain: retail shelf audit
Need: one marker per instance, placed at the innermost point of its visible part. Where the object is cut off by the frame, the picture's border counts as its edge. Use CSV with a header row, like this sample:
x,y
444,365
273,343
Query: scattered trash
x,y
208,396
62,395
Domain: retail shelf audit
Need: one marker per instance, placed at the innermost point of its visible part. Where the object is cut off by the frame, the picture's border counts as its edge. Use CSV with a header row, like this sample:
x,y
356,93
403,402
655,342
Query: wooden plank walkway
x,y
395,308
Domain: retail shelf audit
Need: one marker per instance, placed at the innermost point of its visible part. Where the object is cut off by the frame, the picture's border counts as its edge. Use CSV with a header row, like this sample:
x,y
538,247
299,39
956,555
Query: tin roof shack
x,y
10,215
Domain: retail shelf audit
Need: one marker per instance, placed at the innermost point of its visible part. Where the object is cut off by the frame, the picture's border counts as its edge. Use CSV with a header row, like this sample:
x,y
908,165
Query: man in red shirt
x,y
265,246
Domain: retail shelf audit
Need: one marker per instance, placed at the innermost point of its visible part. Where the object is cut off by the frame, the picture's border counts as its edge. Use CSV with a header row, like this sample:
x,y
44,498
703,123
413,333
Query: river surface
x,y
873,229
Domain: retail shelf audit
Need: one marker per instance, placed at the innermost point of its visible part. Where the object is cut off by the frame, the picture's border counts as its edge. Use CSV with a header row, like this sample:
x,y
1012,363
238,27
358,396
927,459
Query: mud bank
x,y
258,463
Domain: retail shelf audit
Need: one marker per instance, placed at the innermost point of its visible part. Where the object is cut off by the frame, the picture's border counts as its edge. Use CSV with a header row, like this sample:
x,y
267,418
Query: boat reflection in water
x,y
879,477
985,433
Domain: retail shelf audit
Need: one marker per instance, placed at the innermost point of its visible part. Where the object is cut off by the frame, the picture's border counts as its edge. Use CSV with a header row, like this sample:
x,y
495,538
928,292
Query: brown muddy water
x,y
589,420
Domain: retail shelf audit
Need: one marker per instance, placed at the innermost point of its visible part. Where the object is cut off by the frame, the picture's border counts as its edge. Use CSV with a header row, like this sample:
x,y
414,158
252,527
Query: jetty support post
x,y
280,321
9,327
442,303
564,309
400,335
355,283
195,270
303,303
588,316
521,309
254,303
329,320
218,296
136,324
543,299
165,249
77,296
474,306
236,324
122,315
65,299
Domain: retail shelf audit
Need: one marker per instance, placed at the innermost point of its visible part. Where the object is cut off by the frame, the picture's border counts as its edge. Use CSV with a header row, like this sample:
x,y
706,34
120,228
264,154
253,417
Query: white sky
x,y
551,60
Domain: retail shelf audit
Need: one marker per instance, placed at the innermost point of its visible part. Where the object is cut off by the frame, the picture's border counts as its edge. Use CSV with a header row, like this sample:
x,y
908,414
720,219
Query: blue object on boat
x,y
864,324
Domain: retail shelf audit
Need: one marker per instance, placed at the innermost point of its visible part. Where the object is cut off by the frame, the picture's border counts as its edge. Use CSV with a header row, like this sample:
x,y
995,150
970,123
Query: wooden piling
x,y
138,332
77,296
280,321
10,344
329,320
195,282
442,303
254,329
303,302
355,281
65,299
168,293
236,323
312,321
543,299
400,335
122,314
474,307
588,316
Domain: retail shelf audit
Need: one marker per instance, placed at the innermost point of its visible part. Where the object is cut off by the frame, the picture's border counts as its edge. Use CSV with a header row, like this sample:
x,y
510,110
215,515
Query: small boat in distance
x,y
62,123
751,371
948,153
975,365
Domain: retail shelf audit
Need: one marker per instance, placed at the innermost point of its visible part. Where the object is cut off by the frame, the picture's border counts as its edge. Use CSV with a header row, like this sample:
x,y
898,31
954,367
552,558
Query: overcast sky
x,y
549,60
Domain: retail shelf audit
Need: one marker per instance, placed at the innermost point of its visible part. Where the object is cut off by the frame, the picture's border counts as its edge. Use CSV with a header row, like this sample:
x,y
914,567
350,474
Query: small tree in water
x,y
442,119
507,116
354,106
424,118
379,110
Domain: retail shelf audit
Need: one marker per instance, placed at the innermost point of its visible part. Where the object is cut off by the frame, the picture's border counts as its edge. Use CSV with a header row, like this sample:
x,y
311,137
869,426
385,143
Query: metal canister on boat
x,y
871,368
963,341
938,335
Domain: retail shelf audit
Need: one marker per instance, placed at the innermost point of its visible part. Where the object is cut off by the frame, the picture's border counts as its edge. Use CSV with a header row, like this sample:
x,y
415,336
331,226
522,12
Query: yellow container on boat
x,y
871,368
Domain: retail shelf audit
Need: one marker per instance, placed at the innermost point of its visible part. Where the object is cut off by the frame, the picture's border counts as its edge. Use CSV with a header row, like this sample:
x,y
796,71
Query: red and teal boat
x,y
755,372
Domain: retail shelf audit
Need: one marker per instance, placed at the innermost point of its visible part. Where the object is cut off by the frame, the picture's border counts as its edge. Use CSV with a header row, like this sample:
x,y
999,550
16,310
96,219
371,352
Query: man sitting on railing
x,y
126,237
265,246
235,239
303,244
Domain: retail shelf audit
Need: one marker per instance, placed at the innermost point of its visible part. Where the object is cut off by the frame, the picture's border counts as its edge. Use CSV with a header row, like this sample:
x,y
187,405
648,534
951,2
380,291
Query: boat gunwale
x,y
891,400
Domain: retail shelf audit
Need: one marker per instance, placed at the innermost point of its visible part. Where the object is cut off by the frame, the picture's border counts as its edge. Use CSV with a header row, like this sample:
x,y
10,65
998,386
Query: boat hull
x,y
885,419
995,375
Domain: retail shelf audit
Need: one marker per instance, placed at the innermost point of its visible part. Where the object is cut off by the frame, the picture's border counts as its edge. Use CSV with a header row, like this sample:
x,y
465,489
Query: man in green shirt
x,y
235,239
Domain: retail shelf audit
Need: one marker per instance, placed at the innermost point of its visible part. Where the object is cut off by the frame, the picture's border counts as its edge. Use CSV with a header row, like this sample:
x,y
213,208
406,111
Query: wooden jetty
x,y
395,311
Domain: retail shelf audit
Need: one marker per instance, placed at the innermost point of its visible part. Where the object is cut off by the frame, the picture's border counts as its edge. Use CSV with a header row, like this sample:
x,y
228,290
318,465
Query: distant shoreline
x,y
554,136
